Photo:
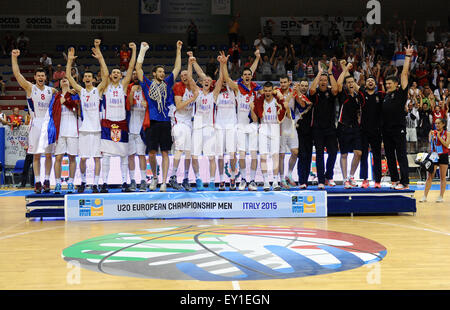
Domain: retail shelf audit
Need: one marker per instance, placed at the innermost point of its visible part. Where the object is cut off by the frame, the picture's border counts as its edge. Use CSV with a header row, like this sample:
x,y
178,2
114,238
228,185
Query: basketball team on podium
x,y
129,115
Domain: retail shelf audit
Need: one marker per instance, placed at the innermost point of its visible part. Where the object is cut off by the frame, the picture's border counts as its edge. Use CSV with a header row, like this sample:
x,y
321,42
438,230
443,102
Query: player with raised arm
x,y
203,133
349,132
137,106
186,92
39,97
115,135
247,128
89,129
64,110
271,111
225,127
324,124
159,95
289,138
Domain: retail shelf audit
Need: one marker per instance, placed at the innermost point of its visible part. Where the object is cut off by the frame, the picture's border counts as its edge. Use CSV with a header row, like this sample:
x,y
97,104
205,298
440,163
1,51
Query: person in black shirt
x,y
394,125
324,124
371,131
349,137
304,132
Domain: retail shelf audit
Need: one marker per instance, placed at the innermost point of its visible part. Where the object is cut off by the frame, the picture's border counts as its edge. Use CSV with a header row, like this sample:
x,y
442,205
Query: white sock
x,y
96,178
222,177
105,168
265,176
252,174
186,173
132,174
58,181
70,180
47,177
197,175
244,173
212,179
276,178
124,168
143,175
83,177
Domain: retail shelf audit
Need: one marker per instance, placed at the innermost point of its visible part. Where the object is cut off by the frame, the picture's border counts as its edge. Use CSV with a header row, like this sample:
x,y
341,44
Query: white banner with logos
x,y
176,205
293,24
15,141
220,7
57,23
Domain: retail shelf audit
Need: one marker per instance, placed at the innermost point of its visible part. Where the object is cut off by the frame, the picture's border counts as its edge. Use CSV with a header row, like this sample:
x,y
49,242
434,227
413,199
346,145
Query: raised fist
x,y
132,45
15,53
97,42
179,44
257,53
190,54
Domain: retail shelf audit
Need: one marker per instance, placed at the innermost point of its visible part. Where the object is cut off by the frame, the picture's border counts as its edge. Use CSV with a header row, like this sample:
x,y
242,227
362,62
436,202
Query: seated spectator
x,y
23,43
15,119
58,75
2,86
124,55
235,58
46,63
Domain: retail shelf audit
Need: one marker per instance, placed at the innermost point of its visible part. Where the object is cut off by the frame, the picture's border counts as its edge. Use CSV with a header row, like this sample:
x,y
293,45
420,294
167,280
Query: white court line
x,y
8,192
11,227
29,232
406,226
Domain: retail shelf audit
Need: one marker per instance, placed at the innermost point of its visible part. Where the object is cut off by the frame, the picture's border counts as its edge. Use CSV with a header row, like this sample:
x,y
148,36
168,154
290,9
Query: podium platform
x,y
339,201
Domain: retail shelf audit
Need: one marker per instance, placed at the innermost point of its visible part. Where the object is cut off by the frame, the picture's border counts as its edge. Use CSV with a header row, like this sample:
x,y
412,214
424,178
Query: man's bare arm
x,y
70,59
126,80
140,61
26,85
177,66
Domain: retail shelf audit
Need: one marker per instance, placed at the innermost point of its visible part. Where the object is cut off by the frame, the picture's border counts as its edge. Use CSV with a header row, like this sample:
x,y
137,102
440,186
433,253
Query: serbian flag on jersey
x,y
244,90
399,58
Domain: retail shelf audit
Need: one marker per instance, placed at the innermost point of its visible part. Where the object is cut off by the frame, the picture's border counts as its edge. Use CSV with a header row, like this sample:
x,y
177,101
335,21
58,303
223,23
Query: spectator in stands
x,y
192,33
2,86
305,34
212,68
15,119
58,75
233,30
28,159
46,63
268,28
124,55
430,37
263,44
300,69
279,62
266,68
75,75
412,117
123,69
23,43
235,58
439,91
424,125
10,43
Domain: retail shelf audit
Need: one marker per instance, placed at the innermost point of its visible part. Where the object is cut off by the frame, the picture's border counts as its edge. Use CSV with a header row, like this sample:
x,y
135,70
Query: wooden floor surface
x,y
418,252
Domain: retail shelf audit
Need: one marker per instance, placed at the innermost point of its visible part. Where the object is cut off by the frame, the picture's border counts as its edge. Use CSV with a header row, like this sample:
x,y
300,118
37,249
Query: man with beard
x,y
89,130
159,95
39,97
324,124
348,124
371,131
114,139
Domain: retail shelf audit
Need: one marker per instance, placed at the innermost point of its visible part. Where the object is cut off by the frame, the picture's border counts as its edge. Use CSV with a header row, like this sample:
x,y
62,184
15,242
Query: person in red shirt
x,y
15,119
440,143
125,56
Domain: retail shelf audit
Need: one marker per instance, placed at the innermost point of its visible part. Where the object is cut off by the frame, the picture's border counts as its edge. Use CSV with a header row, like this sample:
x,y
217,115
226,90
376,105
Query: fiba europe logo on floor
x,y
224,252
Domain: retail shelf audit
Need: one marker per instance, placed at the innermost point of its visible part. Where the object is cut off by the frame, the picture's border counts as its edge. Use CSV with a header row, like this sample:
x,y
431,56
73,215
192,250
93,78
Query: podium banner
x,y
177,205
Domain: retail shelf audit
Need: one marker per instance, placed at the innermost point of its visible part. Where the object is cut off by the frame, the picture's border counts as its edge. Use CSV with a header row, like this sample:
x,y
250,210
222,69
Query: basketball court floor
x,y
390,252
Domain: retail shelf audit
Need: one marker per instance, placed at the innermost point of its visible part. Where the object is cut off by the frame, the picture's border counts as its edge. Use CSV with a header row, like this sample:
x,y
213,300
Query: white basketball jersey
x,y
137,113
270,112
90,109
243,109
226,110
185,115
286,125
115,103
69,122
204,110
40,100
